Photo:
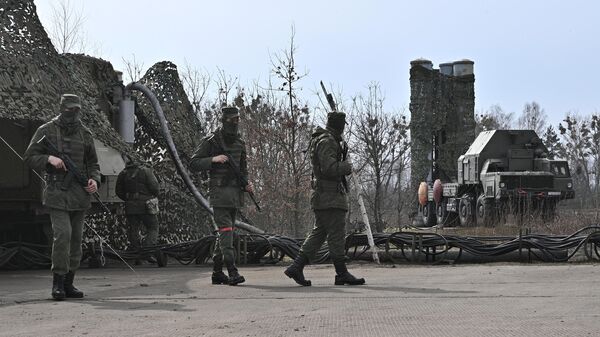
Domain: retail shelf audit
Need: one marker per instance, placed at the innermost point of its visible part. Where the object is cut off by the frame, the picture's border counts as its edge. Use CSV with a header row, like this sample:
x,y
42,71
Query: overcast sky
x,y
543,51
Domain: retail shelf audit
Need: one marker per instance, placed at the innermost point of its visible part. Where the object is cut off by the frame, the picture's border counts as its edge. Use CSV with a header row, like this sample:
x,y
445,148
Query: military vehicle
x,y
503,172
22,216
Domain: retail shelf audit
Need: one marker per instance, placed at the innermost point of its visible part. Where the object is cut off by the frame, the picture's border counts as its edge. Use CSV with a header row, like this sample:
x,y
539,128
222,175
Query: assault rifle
x,y
329,98
333,107
72,171
243,181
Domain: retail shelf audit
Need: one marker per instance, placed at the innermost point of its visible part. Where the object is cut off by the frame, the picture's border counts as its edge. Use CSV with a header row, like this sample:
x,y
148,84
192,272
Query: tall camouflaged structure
x,y
442,103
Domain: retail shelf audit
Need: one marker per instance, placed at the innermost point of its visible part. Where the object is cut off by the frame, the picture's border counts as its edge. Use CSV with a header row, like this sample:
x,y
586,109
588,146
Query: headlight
x,y
569,185
502,185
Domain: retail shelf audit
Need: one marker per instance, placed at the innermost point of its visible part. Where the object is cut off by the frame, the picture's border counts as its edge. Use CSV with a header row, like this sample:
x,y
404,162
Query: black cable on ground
x,y
399,246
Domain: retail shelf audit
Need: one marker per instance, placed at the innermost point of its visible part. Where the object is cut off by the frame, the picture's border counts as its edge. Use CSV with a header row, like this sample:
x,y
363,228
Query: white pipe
x,y
363,210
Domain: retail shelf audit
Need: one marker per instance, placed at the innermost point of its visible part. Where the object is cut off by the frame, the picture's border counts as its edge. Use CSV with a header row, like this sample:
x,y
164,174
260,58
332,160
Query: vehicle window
x,y
560,169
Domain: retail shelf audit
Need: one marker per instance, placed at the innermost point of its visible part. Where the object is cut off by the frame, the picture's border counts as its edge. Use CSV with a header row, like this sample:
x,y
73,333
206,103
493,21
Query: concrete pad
x,y
461,300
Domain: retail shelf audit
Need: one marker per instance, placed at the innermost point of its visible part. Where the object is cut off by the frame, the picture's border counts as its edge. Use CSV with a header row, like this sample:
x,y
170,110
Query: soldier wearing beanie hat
x,y
329,201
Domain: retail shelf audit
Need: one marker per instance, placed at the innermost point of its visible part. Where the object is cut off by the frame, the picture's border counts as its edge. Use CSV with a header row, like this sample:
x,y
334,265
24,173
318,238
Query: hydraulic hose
x,y
175,155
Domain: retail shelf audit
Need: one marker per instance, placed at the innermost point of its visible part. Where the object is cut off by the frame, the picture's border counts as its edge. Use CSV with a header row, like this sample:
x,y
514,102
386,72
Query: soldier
x,y
328,201
138,187
226,196
66,199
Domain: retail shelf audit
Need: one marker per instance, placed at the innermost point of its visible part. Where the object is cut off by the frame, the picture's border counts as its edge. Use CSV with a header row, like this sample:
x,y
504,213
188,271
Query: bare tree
x,y
295,121
577,138
533,118
66,28
134,69
381,145
595,155
493,119
555,147
196,84
225,83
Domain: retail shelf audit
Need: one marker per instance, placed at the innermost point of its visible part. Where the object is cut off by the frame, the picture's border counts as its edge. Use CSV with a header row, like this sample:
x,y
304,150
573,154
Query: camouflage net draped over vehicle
x,y
32,78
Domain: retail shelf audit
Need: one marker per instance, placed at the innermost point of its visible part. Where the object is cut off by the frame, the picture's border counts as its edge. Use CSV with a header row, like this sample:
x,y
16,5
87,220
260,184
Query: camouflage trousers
x,y
67,229
134,223
225,221
329,225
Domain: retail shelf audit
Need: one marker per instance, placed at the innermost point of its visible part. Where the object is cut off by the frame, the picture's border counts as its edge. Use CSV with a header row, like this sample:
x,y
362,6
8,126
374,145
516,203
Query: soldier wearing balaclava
x,y
66,200
226,194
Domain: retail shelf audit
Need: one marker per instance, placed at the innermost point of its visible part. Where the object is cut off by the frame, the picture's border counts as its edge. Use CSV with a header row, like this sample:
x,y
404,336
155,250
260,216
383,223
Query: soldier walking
x,y
328,201
138,187
65,199
226,194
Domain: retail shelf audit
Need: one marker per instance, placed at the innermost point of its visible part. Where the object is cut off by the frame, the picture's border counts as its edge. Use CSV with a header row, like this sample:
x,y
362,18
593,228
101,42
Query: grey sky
x,y
523,50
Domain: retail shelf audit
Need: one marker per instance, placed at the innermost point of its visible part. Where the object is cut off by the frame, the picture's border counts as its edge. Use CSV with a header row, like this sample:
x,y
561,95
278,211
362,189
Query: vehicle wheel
x,y
445,218
549,211
429,214
485,211
441,213
161,258
466,211
94,262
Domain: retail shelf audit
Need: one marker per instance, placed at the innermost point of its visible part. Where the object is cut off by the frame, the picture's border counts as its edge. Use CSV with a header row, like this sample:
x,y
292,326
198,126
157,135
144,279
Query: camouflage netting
x,y
32,78
445,105
182,216
33,75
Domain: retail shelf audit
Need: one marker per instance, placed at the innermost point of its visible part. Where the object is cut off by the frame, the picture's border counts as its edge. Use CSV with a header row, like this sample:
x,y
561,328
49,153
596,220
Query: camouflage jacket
x,y
224,188
329,171
136,184
80,147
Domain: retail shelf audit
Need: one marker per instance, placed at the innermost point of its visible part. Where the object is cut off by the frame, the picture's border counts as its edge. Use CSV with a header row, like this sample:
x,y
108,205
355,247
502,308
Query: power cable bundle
x,y
271,249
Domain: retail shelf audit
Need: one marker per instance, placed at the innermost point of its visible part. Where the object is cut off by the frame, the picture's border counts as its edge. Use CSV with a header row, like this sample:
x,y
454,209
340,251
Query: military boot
x,y
234,277
58,287
296,270
70,290
218,276
344,277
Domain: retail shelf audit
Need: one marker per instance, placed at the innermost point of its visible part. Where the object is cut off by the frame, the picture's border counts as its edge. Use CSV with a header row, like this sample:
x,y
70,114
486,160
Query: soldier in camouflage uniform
x,y
328,201
138,186
66,200
226,196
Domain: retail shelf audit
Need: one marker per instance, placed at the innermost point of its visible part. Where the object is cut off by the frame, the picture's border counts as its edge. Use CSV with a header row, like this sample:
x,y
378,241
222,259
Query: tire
x,y
485,211
429,214
445,218
161,259
94,262
441,213
466,211
549,211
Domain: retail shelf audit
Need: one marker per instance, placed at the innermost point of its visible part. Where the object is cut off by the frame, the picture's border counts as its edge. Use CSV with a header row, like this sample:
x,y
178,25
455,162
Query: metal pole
x,y
365,217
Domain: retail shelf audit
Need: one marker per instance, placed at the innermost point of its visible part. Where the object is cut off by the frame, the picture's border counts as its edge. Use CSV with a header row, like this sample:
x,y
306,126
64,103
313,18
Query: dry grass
x,y
567,222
